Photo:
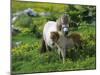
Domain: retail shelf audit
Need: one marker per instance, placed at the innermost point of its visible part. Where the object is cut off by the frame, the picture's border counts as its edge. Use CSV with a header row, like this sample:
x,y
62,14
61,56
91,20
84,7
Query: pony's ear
x,y
58,24
54,36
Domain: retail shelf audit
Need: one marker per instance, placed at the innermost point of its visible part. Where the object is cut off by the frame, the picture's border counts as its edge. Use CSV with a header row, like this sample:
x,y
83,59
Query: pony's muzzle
x,y
65,31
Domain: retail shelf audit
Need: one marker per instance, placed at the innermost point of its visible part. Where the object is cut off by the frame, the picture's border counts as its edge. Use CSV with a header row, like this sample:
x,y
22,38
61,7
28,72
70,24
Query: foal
x,y
64,43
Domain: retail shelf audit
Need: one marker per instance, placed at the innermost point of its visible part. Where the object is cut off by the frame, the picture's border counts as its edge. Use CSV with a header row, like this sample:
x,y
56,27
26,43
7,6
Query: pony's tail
x,y
43,47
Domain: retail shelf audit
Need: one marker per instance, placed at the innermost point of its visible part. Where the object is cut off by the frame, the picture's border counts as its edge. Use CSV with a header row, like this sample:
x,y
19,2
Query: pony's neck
x,y
60,33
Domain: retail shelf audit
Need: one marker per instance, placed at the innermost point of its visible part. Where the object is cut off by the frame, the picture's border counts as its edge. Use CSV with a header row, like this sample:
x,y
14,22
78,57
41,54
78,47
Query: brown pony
x,y
64,43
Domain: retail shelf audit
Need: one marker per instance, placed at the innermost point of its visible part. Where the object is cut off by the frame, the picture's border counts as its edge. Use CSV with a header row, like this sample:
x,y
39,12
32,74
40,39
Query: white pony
x,y
48,28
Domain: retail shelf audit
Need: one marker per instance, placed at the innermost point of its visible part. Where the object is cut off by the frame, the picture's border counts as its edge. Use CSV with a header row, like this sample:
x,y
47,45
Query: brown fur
x,y
76,37
63,43
54,36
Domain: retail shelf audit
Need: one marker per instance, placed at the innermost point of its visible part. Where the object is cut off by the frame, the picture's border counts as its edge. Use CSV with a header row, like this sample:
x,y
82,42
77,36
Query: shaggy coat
x,y
64,43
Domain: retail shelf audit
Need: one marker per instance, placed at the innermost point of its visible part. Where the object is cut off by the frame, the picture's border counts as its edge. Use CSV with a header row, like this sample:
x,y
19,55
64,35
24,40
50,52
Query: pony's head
x,y
63,24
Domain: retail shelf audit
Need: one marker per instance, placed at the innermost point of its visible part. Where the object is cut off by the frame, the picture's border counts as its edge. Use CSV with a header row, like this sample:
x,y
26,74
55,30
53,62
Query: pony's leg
x,y
63,53
43,47
49,48
46,47
58,50
59,53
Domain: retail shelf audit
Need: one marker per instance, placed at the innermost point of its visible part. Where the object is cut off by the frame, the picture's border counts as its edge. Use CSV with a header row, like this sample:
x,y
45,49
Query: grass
x,y
30,60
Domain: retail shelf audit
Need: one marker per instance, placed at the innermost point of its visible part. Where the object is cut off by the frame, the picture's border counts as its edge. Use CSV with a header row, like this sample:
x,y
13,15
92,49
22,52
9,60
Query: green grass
x,y
30,60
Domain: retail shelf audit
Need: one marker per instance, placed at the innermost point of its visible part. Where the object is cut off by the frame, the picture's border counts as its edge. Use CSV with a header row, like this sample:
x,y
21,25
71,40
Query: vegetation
x,y
26,57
